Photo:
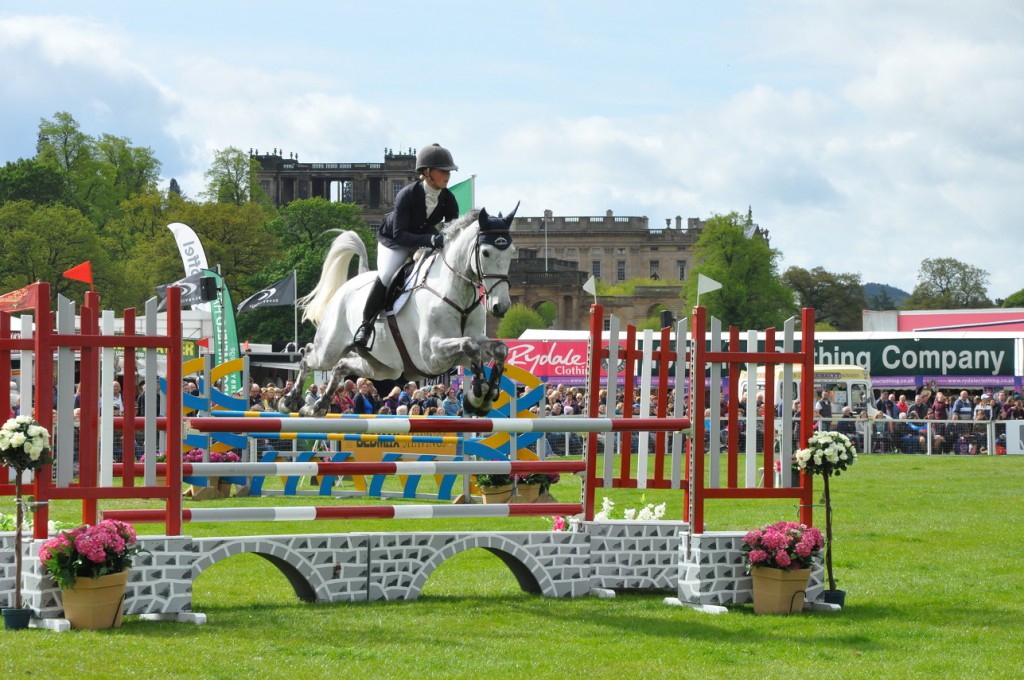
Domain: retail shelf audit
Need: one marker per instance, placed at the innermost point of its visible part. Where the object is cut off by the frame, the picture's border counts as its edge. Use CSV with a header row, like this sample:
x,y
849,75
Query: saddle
x,y
412,274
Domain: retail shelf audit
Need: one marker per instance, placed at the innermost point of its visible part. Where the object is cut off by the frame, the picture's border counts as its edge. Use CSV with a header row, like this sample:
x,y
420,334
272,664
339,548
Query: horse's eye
x,y
487,253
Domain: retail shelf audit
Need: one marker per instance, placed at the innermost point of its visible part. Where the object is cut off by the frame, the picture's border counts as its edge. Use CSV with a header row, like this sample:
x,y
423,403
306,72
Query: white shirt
x,y
432,196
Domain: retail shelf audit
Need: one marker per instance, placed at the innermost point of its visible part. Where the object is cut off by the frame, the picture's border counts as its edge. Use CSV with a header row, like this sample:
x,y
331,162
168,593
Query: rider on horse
x,y
419,207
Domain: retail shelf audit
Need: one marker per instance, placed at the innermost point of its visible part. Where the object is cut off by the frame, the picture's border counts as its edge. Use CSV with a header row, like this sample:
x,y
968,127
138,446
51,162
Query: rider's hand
x,y
437,241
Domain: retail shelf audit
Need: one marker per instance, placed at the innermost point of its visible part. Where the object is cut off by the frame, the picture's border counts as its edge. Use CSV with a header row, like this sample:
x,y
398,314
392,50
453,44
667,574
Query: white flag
x,y
590,286
706,285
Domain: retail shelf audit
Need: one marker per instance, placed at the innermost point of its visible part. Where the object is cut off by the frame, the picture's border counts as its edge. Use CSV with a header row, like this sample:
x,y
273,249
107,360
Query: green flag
x,y
464,194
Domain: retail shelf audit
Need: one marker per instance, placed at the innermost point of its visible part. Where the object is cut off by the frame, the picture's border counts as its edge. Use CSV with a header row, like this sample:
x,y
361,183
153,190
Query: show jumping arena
x,y
699,569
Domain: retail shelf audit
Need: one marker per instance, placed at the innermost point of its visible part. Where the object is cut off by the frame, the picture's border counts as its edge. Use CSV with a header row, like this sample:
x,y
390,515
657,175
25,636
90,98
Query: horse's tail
x,y
334,275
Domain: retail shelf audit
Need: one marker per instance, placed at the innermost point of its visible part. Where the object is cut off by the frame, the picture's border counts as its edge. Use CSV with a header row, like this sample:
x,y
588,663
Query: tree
x,y
736,253
947,283
1015,300
98,173
62,142
41,242
548,312
232,178
518,319
838,299
33,180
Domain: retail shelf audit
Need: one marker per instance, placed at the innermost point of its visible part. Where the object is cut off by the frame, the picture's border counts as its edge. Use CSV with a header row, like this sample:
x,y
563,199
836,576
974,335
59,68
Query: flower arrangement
x,y
648,512
545,480
783,545
24,445
161,457
196,456
490,481
827,454
89,552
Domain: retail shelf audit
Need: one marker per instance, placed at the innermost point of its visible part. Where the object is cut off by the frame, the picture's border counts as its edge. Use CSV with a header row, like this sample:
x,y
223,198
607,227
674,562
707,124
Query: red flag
x,y
17,300
81,272
204,343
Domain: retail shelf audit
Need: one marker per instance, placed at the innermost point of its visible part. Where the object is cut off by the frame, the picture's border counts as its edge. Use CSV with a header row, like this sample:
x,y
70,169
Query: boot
x,y
374,303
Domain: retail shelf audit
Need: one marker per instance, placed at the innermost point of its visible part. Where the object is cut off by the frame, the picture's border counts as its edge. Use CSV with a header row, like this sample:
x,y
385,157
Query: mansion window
x,y
620,270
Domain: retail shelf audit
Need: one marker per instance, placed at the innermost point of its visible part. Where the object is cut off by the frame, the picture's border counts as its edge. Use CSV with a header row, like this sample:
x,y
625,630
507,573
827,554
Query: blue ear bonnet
x,y
495,231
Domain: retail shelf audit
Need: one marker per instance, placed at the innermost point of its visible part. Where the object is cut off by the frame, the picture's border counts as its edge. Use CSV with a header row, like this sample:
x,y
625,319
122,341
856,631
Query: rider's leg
x,y
374,303
389,261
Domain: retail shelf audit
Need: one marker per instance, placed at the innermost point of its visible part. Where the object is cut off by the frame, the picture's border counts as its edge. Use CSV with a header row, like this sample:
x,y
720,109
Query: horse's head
x,y
494,253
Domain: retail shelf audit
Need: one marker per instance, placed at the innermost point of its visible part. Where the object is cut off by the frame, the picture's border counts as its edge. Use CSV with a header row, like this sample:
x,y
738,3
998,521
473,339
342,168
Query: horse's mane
x,y
452,229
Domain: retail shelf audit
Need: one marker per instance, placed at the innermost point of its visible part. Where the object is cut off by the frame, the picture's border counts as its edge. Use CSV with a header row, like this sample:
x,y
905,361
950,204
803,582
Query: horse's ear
x,y
511,215
483,218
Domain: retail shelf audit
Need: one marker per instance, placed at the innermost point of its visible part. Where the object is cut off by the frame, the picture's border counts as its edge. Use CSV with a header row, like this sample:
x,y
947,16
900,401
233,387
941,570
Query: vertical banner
x,y
193,255
225,334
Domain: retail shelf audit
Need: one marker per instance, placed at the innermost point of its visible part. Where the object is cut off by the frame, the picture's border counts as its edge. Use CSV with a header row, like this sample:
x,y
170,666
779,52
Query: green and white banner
x,y
225,334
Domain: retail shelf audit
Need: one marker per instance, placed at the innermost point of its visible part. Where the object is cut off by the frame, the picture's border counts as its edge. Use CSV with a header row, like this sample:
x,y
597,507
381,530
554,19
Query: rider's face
x,y
438,179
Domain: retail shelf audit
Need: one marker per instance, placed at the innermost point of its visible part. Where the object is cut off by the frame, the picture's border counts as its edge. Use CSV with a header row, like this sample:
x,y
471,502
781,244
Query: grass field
x,y
929,550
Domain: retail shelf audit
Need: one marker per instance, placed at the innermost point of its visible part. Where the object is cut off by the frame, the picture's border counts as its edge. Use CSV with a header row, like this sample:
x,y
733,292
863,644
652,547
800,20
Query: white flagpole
x,y
295,305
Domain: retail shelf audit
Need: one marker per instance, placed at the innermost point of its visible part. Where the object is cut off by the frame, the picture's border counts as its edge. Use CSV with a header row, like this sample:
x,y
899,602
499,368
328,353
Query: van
x,y
847,385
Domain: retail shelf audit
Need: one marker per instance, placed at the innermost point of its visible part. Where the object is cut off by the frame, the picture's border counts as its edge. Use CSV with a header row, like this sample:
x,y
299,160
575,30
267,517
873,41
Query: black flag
x,y
194,291
278,295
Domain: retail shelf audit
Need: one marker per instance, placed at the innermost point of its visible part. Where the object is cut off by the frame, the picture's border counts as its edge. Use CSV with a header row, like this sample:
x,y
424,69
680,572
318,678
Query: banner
x,y
464,194
280,294
193,255
18,300
225,334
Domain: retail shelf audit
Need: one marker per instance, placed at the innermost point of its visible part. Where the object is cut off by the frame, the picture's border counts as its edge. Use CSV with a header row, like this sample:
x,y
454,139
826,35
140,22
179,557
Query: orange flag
x,y
81,272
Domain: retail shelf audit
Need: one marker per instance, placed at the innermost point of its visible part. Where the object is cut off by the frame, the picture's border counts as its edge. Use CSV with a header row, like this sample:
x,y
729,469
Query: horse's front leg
x,y
292,400
475,353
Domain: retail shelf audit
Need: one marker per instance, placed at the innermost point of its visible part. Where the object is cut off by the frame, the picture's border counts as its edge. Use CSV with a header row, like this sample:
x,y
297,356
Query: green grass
x,y
928,550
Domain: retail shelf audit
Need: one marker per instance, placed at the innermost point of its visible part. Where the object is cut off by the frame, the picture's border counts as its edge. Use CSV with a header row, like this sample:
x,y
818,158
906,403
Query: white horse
x,y
440,326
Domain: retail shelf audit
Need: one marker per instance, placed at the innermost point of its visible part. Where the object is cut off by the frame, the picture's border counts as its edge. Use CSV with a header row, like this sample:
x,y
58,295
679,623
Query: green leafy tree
x,y
948,283
518,319
548,312
41,242
98,173
231,178
734,252
838,299
1015,300
30,179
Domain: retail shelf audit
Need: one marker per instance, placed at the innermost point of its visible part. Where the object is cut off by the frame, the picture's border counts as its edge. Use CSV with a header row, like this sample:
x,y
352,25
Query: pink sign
x,y
553,361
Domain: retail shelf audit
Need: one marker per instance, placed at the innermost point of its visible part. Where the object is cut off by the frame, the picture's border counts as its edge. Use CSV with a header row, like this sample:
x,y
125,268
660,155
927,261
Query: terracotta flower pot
x,y
779,591
526,493
496,494
96,603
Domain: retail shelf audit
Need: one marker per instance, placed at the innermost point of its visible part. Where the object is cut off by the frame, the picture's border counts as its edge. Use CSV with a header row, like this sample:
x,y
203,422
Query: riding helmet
x,y
435,156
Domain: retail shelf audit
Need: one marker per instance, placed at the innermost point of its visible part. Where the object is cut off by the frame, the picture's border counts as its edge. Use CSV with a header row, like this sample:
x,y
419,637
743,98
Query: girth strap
x,y
410,369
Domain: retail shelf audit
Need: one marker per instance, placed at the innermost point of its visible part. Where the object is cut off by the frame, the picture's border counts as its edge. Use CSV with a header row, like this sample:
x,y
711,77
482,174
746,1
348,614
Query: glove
x,y
437,241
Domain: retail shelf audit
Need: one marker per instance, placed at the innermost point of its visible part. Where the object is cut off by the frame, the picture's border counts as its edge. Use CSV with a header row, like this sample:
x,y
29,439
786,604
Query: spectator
x,y
450,404
823,411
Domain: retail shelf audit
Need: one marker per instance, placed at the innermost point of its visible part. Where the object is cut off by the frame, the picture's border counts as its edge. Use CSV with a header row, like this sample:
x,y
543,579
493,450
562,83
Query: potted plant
x,y
90,564
827,454
215,488
779,558
24,445
495,488
530,487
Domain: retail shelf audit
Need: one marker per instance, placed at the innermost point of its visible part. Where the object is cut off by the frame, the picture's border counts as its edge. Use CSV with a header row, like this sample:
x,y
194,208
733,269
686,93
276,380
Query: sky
x,y
865,135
